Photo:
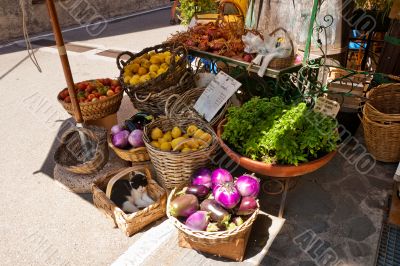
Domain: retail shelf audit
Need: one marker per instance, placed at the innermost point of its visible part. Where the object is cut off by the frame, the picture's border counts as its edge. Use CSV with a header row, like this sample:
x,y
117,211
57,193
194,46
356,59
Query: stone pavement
x,y
333,214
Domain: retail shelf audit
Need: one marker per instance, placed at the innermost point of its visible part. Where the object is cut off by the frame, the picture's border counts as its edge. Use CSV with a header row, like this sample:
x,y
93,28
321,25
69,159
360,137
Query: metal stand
x,y
285,185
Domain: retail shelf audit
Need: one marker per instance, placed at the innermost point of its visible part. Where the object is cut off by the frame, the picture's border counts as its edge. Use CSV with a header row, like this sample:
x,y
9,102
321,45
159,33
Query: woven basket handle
x,y
123,173
286,34
85,131
145,99
169,102
121,63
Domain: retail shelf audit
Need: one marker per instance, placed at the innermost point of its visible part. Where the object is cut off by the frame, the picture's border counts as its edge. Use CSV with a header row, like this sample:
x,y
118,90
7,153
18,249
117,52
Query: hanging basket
x,y
230,244
280,63
173,167
154,103
70,154
381,122
134,222
182,105
169,78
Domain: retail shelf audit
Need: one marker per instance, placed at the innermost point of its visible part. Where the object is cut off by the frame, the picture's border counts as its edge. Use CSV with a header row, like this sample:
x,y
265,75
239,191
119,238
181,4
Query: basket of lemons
x,y
152,75
177,147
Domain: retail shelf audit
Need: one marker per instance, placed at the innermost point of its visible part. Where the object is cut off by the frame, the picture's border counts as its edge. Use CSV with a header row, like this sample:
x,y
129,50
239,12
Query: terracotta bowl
x,y
274,170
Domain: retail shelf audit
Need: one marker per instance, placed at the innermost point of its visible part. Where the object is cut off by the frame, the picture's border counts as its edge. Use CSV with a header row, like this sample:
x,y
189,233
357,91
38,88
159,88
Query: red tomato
x,y
67,99
117,89
114,82
102,97
110,93
97,95
64,93
91,96
90,88
81,86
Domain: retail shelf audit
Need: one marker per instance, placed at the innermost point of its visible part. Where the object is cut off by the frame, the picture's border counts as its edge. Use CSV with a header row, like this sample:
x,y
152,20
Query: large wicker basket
x,y
163,81
381,122
214,242
95,110
154,102
133,155
70,154
134,222
174,168
182,105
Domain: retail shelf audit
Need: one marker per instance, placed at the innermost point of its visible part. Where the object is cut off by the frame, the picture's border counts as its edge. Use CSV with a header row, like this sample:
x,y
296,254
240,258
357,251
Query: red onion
x,y
248,185
116,129
247,206
202,177
226,195
198,221
220,176
120,139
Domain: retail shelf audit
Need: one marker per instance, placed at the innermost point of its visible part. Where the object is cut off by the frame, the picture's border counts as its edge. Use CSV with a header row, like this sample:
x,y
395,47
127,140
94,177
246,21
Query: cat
x,y
130,195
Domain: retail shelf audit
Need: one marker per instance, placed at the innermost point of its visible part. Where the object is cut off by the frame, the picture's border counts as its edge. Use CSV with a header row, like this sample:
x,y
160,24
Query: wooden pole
x,y
64,59
389,61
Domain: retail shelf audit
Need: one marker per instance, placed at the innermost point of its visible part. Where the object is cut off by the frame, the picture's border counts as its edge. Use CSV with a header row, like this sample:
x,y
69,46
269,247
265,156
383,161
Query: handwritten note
x,y
327,107
216,94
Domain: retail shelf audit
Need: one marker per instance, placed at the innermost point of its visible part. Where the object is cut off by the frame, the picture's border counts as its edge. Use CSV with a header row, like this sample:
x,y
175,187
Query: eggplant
x,y
198,190
247,206
217,213
198,221
184,205
138,121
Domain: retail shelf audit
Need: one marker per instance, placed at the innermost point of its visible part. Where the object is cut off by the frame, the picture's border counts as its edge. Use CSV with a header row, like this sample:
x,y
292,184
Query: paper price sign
x,y
327,107
216,94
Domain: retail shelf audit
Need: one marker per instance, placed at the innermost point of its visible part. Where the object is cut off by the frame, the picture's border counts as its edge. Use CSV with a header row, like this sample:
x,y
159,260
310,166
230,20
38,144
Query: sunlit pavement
x,y
42,224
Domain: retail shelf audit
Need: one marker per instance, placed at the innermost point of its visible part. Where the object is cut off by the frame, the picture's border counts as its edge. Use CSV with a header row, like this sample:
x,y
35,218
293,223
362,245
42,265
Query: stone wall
x,y
70,12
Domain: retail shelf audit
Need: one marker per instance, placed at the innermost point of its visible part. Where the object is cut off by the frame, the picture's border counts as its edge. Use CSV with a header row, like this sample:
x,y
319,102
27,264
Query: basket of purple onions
x,y
215,212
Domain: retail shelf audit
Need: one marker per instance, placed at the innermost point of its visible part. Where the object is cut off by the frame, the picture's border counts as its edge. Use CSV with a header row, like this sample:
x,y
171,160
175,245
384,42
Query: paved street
x,y
43,224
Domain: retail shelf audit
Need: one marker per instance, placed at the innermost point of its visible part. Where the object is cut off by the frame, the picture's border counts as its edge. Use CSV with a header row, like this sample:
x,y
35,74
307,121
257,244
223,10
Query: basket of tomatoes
x,y
97,98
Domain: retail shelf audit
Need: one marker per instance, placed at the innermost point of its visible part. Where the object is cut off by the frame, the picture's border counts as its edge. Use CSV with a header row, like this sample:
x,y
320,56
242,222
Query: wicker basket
x,y
280,63
182,105
95,110
381,122
132,155
215,242
170,78
174,168
69,153
154,103
134,222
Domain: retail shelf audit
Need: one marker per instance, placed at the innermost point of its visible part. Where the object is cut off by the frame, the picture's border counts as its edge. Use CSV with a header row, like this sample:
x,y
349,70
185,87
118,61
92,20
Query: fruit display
x,y
178,140
147,67
93,90
215,201
130,135
218,38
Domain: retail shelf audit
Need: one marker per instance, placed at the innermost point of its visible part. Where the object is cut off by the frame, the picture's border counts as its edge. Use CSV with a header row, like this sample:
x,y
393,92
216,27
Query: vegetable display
x,y
272,131
222,208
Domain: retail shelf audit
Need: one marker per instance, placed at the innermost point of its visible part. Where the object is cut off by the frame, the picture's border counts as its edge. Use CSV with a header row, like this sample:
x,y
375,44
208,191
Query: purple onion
x,y
136,138
202,177
198,221
226,195
116,129
220,176
248,185
247,206
184,205
120,140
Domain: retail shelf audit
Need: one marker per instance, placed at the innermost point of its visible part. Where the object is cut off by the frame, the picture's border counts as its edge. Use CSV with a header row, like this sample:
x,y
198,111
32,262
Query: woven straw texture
x,y
174,168
381,122
134,222
70,154
154,103
96,110
131,155
182,105
280,63
210,238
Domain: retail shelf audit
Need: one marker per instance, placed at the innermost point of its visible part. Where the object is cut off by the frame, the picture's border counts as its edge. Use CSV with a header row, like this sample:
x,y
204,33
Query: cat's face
x,y
139,182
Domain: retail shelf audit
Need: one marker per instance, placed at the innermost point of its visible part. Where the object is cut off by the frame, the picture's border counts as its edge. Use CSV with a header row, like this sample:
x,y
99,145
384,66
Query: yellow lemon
x,y
198,133
162,140
192,143
145,63
206,137
145,78
155,60
135,67
161,56
185,136
134,80
167,53
142,71
164,66
126,79
136,60
155,144
145,56
166,146
168,136
160,71
176,142
153,75
191,130
176,132
156,133
152,53
167,59
186,150
153,68
177,57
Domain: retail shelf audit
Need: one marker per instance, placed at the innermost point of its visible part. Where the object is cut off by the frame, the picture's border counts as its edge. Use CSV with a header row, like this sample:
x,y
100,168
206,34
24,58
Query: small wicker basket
x,y
69,153
381,122
214,242
95,110
280,63
134,222
133,155
174,168
182,105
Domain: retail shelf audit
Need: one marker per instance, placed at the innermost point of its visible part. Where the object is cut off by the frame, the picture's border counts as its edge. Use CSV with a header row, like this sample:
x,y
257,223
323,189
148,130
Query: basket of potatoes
x,y
177,147
152,75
